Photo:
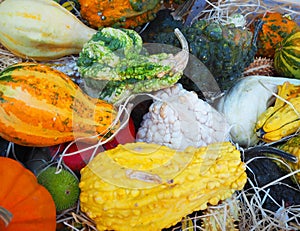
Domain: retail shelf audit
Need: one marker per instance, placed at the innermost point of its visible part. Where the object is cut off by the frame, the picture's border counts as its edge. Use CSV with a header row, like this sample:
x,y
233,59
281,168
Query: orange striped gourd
x,y
40,106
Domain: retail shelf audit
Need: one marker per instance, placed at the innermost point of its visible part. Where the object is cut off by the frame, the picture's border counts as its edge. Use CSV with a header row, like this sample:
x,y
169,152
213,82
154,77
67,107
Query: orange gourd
x,y
25,205
120,13
275,28
40,106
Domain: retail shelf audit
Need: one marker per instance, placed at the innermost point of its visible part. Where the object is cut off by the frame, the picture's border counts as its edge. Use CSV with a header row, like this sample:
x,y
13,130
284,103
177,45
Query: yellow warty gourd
x,y
142,186
282,119
41,29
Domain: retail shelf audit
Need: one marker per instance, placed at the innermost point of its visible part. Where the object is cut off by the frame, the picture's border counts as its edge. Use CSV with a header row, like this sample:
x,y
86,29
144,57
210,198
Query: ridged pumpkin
x,y
40,106
275,28
25,205
146,186
287,56
120,13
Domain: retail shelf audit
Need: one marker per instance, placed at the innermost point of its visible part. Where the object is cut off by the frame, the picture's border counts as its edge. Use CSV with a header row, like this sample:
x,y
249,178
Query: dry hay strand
x,y
223,217
74,220
66,64
256,217
7,58
222,10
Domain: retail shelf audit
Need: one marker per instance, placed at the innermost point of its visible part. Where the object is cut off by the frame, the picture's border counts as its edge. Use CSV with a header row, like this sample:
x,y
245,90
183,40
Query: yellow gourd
x,y
41,29
282,119
146,186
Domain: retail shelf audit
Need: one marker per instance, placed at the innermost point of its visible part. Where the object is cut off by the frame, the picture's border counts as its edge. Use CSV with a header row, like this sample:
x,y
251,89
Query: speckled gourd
x,y
40,106
142,186
124,13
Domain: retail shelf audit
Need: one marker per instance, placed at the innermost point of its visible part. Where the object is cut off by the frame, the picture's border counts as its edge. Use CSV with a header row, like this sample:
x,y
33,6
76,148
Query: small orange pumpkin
x,y
119,13
25,205
275,28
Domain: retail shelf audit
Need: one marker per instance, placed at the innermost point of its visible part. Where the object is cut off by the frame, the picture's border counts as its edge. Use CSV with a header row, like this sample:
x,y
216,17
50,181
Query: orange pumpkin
x,y
119,13
275,28
25,205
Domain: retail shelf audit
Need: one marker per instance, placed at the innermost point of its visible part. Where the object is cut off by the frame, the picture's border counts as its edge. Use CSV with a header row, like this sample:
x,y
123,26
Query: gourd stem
x,y
181,57
182,40
5,216
262,150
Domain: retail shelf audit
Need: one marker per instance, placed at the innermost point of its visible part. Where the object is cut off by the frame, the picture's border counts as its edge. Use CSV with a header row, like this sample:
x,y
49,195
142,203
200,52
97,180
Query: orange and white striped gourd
x,y
40,106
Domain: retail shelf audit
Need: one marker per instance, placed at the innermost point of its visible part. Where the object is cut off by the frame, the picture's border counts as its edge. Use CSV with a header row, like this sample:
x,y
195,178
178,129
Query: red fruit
x,y
77,161
126,135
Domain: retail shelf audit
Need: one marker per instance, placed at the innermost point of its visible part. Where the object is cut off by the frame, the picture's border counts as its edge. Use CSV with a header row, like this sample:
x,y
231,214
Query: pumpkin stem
x,y
5,216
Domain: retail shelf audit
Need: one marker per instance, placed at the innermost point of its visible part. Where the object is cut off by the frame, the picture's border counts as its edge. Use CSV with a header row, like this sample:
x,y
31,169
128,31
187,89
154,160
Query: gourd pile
x,y
149,115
